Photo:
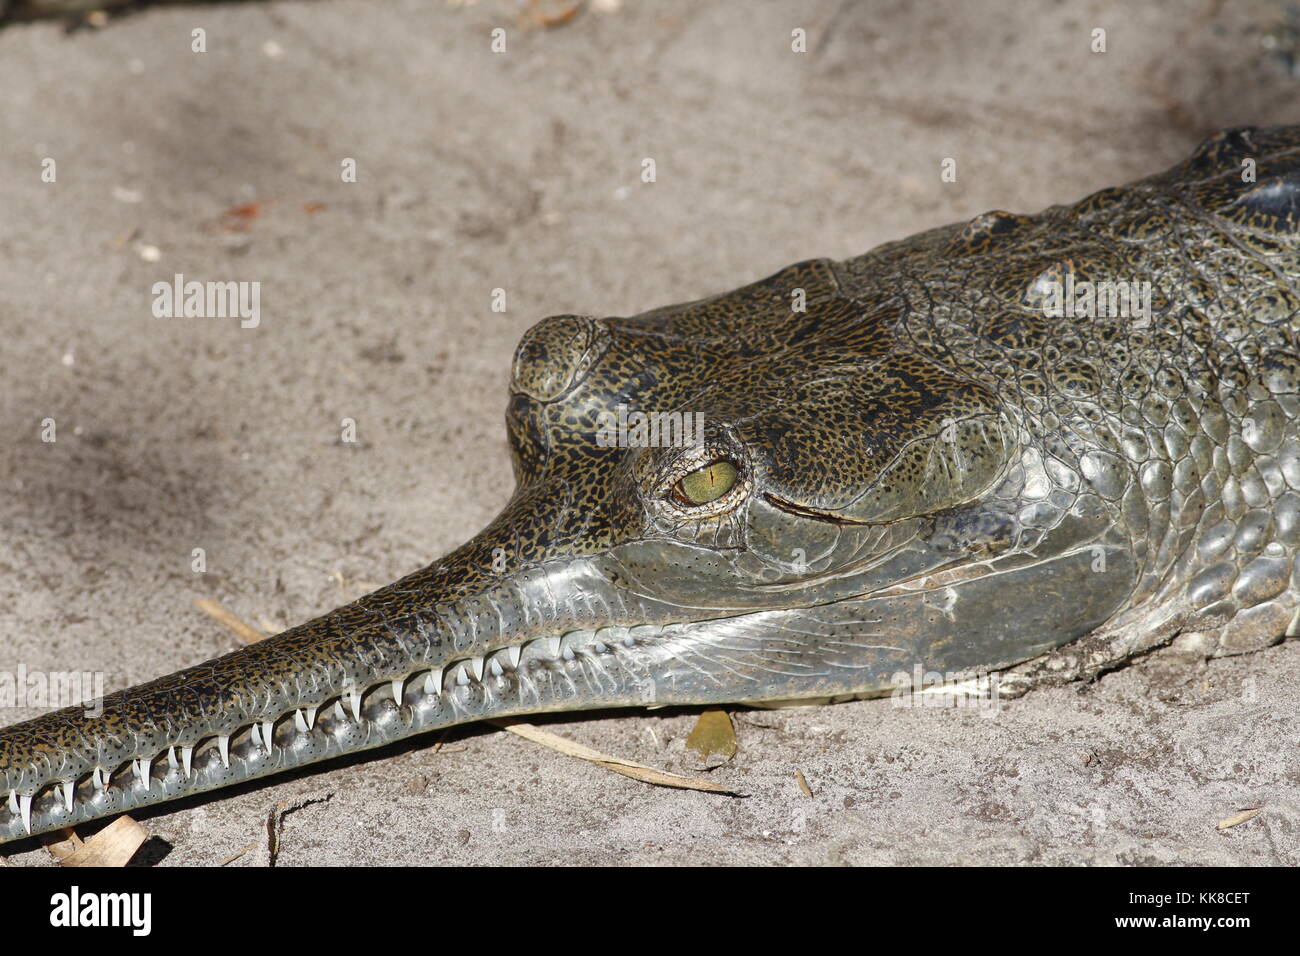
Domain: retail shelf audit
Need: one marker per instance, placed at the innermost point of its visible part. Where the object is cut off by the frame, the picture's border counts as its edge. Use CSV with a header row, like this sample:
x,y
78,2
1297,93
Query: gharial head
x,y
725,501
732,500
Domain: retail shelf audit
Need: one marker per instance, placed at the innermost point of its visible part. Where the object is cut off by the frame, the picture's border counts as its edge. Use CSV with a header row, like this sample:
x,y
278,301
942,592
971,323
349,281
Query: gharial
x,y
909,457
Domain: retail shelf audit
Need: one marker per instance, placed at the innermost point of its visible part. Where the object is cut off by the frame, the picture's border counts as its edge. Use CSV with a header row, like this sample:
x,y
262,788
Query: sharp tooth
x,y
25,808
187,759
142,768
475,665
268,734
223,745
549,646
354,701
338,711
310,716
256,735
511,655
398,684
599,648
566,649
495,668
433,681
67,795
299,722
462,674
13,802
171,757
100,782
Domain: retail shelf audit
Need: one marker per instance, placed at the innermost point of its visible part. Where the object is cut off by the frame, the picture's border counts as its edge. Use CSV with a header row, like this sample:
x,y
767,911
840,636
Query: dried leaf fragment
x,y
713,735
247,633
803,783
1238,818
629,768
112,846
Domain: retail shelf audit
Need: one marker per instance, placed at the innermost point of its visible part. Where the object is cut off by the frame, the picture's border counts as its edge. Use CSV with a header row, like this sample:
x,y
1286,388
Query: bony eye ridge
x,y
706,484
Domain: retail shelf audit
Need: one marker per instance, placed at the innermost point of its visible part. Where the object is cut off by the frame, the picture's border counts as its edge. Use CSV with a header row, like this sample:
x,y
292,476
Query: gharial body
x,y
907,459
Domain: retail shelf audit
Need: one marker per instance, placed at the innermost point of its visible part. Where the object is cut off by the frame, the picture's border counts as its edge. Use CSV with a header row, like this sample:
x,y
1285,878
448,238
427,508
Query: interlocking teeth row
x,y
261,734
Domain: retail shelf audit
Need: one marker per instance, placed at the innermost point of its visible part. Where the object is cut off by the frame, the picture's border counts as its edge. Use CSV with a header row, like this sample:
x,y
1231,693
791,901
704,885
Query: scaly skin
x,y
927,470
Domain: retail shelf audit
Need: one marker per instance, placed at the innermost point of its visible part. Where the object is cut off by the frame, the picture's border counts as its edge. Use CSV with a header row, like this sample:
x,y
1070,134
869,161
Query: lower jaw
x,y
725,660
646,665
584,673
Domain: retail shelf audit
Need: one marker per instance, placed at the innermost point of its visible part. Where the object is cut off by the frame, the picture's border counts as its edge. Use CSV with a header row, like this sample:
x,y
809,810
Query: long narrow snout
x,y
461,640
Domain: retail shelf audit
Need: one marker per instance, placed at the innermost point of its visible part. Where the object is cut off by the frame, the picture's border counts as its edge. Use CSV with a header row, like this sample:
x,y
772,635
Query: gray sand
x,y
521,172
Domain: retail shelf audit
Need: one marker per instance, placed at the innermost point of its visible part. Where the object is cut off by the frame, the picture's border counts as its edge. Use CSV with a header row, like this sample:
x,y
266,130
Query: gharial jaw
x,y
72,768
330,688
259,731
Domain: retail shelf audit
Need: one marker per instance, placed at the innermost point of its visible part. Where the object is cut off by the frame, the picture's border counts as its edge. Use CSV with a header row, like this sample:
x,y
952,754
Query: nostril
x,y
555,354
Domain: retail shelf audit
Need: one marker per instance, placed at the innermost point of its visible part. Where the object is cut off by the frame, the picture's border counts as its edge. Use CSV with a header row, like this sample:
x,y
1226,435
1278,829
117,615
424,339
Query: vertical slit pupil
x,y
708,483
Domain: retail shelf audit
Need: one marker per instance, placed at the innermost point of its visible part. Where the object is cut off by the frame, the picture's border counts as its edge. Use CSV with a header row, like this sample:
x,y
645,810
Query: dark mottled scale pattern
x,y
1221,254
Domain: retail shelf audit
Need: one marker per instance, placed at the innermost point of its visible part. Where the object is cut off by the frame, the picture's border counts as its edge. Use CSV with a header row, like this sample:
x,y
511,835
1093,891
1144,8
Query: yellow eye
x,y
708,484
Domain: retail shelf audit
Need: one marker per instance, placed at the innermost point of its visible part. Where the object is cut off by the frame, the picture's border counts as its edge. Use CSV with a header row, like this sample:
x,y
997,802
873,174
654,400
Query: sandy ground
x,y
520,171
